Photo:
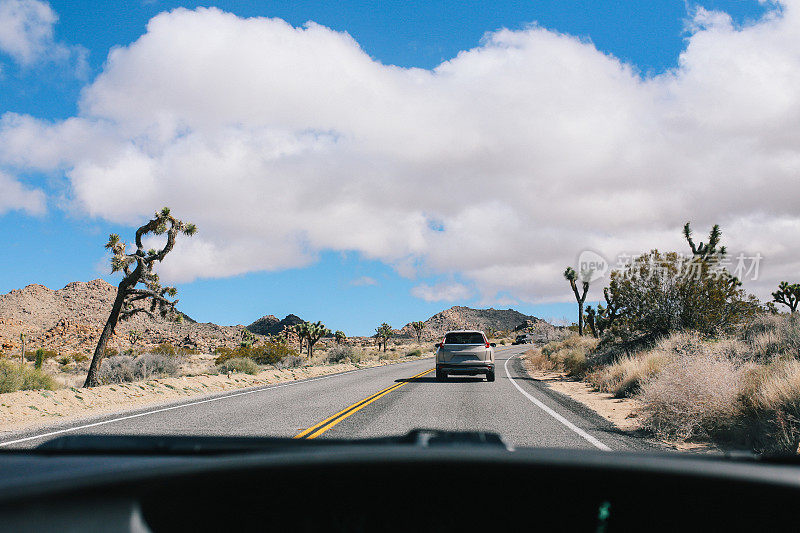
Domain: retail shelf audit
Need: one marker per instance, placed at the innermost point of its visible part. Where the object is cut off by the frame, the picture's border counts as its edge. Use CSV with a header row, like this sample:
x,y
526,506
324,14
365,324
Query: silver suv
x,y
465,352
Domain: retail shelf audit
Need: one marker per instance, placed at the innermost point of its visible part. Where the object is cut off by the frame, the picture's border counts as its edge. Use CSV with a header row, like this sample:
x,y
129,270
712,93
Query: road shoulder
x,y
25,412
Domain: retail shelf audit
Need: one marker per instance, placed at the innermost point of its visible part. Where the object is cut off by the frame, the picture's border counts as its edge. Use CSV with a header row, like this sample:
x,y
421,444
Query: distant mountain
x,y
71,319
459,317
270,325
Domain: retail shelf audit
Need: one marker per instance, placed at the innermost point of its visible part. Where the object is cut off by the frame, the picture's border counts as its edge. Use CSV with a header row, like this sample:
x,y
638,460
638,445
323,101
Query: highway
x,y
379,401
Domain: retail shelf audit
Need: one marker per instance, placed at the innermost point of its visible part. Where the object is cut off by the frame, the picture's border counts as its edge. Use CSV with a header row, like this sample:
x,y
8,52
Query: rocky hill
x,y
459,317
71,319
271,325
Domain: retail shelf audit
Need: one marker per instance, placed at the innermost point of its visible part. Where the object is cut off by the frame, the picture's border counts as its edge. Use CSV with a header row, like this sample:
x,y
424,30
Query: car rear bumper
x,y
467,369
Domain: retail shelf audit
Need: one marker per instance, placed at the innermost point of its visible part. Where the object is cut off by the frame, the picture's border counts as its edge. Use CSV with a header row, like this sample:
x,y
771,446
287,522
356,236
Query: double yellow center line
x,y
318,429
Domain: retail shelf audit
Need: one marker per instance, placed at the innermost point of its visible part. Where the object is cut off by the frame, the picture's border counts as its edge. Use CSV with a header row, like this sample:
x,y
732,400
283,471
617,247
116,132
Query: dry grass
x,y
692,396
742,389
623,378
569,355
19,376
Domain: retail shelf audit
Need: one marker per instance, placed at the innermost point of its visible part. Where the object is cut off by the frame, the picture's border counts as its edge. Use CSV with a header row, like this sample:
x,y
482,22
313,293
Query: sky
x,y
360,162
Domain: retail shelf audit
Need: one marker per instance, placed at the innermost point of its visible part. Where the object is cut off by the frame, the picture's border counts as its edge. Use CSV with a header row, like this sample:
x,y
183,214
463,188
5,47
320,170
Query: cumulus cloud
x,y
15,196
26,34
500,165
441,292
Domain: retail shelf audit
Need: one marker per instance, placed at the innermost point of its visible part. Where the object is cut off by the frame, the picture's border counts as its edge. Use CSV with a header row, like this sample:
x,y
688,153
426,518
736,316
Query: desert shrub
x,y
122,368
152,365
292,361
771,335
64,360
117,369
656,297
273,352
270,353
770,400
31,355
239,364
692,396
339,353
79,357
624,377
165,348
110,352
570,355
414,353
39,359
16,376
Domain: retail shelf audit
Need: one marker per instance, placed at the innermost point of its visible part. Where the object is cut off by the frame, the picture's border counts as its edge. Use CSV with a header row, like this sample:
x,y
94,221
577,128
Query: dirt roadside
x,y
624,413
27,410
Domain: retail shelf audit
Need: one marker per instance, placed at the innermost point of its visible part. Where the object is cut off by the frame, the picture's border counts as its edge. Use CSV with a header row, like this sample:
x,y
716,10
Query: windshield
x,y
464,338
260,219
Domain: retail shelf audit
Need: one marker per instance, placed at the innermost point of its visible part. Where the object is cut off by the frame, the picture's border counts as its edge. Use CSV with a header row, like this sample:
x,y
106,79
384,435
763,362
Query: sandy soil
x,y
31,409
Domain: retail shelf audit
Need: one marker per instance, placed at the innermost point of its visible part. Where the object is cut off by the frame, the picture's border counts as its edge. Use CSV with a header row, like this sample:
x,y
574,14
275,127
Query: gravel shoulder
x,y
30,410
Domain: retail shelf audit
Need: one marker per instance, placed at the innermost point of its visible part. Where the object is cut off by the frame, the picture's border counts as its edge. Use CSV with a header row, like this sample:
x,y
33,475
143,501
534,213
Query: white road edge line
x,y
128,417
596,443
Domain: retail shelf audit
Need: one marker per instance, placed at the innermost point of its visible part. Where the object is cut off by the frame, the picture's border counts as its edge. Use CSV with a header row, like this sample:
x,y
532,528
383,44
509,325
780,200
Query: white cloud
x,y
441,292
26,34
14,195
500,165
363,281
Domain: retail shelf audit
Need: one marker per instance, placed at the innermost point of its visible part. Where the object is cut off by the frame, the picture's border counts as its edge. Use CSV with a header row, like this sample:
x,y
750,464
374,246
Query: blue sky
x,y
346,289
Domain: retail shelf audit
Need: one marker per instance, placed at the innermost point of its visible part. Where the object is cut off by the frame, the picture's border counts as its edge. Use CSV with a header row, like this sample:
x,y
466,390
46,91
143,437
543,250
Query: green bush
x,y
270,353
658,294
164,348
16,376
414,353
239,364
64,360
31,355
79,357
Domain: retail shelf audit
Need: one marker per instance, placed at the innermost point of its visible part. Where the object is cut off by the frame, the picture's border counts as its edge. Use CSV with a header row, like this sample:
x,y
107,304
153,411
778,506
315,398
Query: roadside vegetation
x,y
706,360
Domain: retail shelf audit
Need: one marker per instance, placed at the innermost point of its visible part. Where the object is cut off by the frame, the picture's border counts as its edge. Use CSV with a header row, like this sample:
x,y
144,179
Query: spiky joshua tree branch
x,y
139,283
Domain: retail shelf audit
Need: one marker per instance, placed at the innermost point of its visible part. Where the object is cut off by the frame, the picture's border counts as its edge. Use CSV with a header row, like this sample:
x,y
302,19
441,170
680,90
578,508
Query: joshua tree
x,y
384,333
247,339
301,330
602,319
21,347
134,337
339,336
572,277
788,295
418,326
137,268
702,250
311,333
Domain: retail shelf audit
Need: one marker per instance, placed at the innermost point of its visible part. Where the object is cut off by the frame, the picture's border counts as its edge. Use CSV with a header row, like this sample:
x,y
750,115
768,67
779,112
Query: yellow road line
x,y
320,428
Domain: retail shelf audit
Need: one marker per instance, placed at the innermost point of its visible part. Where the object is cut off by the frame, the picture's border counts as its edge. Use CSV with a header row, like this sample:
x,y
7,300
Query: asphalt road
x,y
380,401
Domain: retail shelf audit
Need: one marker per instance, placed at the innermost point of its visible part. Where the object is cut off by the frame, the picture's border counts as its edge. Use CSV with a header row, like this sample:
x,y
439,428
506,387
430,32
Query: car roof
x,y
465,331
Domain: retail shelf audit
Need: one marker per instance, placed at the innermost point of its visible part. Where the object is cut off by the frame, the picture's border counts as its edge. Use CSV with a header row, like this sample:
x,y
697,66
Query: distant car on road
x,y
523,339
465,352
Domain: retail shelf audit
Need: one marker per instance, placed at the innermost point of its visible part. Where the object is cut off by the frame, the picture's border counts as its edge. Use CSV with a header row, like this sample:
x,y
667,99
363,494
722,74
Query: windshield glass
x,y
262,219
464,338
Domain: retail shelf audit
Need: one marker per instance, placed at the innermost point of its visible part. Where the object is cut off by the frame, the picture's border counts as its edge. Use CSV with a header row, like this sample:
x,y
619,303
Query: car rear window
x,y
463,338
